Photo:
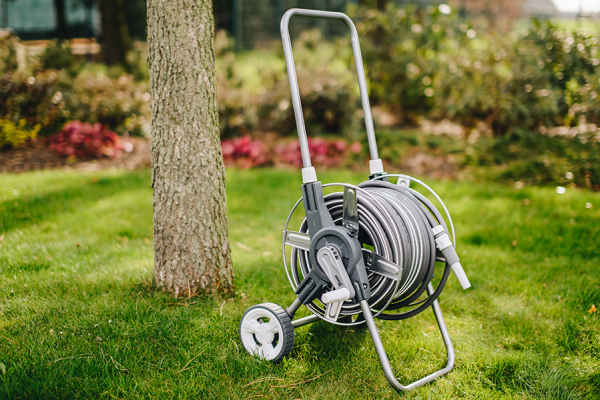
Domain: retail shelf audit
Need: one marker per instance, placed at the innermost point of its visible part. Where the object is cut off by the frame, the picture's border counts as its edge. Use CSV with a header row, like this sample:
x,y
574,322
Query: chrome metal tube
x,y
305,321
293,79
385,363
291,310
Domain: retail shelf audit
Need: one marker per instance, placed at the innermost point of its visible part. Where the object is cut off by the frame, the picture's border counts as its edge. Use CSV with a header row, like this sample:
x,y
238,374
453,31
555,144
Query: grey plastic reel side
x,y
308,172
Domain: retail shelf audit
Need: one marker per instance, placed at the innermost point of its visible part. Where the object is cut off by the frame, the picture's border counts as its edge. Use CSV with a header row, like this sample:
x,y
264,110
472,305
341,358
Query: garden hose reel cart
x,y
362,252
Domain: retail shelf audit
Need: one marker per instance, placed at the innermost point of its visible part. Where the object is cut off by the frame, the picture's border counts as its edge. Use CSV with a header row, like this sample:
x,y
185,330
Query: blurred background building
x,y
250,22
47,19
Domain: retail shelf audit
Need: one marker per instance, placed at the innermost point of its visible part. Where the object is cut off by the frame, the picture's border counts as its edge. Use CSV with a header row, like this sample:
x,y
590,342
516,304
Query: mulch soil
x,y
36,155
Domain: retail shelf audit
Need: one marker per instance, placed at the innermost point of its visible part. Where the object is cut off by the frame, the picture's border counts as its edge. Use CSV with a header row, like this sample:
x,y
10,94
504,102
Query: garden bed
x,y
427,67
35,155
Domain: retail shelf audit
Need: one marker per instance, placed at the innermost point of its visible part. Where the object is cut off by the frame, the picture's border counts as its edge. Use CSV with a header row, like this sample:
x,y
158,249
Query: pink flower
x,y
355,148
84,140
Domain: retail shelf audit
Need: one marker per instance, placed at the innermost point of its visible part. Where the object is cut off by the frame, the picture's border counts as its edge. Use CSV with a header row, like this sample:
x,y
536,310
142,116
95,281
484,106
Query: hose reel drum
x,y
361,252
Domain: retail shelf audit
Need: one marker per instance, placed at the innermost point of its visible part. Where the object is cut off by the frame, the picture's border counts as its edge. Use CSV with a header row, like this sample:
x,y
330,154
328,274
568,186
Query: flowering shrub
x,y
50,98
33,98
323,152
13,135
244,152
82,140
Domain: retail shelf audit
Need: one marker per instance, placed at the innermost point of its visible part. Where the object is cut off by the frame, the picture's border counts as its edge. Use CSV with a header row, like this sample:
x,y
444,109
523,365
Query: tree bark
x,y
191,246
116,41
379,4
60,19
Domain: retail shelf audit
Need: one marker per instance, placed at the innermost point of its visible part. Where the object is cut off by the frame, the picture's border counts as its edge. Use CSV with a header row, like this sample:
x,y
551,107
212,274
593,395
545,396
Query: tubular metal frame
x,y
385,363
295,94
293,79
383,358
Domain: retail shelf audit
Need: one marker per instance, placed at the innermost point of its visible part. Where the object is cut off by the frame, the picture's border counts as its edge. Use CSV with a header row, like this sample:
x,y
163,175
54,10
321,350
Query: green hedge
x,y
254,93
424,63
50,98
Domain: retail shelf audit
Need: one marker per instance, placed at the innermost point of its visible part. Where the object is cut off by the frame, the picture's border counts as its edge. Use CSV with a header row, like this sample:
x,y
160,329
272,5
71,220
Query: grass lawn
x,y
79,317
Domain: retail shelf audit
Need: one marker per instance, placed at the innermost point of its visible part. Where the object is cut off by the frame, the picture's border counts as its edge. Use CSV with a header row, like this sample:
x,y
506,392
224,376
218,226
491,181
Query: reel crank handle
x,y
334,301
385,363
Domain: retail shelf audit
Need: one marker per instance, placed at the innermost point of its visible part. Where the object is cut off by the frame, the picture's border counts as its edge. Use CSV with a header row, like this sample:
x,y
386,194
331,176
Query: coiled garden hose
x,y
400,225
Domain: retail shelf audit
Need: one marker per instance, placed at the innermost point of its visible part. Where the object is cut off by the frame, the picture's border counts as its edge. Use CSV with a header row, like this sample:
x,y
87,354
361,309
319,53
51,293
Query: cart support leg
x,y
385,363
291,310
305,321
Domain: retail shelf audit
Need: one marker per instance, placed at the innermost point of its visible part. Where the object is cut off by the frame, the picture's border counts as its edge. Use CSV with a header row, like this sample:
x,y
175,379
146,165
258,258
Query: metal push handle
x,y
375,164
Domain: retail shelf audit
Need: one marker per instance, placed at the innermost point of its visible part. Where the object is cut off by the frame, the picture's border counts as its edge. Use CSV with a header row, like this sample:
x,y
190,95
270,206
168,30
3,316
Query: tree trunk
x,y
60,19
379,4
191,247
116,42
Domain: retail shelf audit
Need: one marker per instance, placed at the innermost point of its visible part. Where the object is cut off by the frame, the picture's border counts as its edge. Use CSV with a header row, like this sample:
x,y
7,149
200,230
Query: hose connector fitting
x,y
443,243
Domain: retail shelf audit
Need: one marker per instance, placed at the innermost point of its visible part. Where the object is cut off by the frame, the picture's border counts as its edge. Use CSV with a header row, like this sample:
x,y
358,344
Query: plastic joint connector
x,y
311,287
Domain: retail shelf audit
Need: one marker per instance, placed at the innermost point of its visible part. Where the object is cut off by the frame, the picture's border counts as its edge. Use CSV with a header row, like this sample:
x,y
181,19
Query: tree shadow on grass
x,y
29,210
322,344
